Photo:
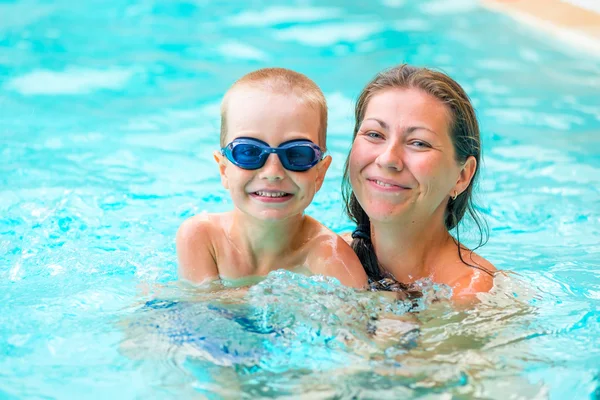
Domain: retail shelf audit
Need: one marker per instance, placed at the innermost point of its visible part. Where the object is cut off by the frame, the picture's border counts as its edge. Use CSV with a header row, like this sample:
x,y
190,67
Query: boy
x,y
273,127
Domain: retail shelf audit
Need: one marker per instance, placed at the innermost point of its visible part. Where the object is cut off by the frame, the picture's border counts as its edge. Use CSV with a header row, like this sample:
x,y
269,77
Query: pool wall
x,y
573,22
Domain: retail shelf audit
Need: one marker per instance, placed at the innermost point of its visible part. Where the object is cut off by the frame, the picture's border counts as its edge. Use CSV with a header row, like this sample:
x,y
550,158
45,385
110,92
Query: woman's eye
x,y
420,144
374,135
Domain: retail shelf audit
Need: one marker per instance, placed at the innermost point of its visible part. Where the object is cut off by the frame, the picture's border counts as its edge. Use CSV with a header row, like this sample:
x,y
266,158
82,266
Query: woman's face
x,y
402,164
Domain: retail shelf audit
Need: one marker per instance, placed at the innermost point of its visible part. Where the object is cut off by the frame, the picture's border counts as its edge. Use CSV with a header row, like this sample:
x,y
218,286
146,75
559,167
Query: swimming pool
x,y
108,119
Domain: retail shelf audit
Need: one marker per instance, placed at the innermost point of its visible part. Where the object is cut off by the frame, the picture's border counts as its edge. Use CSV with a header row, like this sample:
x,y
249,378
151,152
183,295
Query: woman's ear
x,y
465,176
322,168
221,161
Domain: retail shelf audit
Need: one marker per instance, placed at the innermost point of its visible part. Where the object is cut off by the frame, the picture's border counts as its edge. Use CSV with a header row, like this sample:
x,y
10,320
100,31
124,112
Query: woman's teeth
x,y
384,184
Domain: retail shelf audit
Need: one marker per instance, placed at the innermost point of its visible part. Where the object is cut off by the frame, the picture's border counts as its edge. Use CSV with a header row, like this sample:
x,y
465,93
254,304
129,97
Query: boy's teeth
x,y
271,194
383,184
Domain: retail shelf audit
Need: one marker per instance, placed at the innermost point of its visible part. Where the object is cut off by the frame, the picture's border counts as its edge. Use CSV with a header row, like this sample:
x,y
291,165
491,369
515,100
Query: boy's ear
x,y
465,177
220,159
322,168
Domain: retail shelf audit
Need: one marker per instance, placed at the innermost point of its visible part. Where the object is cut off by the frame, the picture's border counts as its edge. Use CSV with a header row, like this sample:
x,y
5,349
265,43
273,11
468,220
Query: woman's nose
x,y
391,158
273,169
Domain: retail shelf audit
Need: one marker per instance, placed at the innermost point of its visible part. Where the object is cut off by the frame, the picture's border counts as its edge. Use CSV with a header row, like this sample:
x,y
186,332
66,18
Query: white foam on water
x,y
412,24
242,51
340,106
560,122
56,269
211,109
15,273
329,34
525,152
490,86
440,7
278,15
18,340
497,64
592,5
393,3
71,81
24,14
341,120
582,174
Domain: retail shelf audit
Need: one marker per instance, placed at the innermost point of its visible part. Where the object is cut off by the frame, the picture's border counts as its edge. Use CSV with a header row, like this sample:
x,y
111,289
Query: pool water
x,y
109,113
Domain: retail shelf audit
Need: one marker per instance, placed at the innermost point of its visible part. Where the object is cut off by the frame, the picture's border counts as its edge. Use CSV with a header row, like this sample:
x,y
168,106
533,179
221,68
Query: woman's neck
x,y
409,249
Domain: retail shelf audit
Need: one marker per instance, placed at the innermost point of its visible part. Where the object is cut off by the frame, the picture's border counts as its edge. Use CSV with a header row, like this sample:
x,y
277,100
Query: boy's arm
x,y
332,256
347,236
195,253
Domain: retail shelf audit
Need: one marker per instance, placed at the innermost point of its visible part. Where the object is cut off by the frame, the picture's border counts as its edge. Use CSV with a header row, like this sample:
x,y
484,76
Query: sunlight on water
x,y
73,81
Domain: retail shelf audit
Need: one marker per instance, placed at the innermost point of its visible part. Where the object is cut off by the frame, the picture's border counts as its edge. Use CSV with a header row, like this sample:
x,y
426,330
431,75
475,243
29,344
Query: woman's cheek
x,y
428,166
354,169
358,156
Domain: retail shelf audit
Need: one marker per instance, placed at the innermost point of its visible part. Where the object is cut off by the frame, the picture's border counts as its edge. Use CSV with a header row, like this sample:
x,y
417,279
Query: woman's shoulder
x,y
474,259
467,275
476,275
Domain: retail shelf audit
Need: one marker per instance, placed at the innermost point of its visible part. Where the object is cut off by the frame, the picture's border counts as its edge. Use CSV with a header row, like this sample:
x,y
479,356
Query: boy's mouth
x,y
271,195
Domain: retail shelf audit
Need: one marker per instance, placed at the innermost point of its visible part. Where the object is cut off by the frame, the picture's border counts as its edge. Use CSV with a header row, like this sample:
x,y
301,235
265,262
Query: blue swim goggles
x,y
296,155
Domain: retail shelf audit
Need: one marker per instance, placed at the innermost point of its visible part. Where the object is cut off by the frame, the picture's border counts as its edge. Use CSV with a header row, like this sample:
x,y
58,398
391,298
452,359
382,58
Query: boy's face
x,y
271,192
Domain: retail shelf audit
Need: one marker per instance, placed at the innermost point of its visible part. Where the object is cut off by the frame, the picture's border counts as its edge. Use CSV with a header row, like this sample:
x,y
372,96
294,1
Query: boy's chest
x,y
234,263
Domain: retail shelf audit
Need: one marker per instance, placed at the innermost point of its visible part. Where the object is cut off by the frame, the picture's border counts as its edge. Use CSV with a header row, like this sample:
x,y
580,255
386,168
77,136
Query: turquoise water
x,y
108,118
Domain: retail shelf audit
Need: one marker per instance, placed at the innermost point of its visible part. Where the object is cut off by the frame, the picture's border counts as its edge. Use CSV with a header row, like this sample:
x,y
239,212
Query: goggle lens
x,y
300,156
246,153
296,155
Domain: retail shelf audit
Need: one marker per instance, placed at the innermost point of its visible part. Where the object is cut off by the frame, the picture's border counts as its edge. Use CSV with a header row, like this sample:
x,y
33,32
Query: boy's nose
x,y
273,169
391,158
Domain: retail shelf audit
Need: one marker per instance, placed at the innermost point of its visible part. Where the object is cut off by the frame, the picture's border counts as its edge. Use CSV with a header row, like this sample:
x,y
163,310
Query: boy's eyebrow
x,y
410,129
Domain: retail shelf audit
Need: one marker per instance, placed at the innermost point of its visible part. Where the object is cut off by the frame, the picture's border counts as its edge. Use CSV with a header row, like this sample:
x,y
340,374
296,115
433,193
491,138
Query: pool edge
x,y
568,23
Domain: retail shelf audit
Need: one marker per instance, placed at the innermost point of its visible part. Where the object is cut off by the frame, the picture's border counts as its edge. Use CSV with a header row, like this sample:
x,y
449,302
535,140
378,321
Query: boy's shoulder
x,y
200,231
321,236
203,223
329,254
196,247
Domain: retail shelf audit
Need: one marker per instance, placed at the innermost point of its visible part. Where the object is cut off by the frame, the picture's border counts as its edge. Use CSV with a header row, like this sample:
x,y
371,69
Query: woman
x,y
414,160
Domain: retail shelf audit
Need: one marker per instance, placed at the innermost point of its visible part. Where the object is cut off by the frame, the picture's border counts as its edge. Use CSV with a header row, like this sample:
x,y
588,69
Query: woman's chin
x,y
385,212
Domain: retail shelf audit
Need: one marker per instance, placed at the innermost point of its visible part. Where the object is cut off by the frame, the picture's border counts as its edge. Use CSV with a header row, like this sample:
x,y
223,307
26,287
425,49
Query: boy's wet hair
x,y
281,81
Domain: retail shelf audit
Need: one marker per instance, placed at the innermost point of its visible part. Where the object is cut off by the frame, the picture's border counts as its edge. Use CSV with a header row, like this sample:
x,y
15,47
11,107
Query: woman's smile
x,y
386,185
403,150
